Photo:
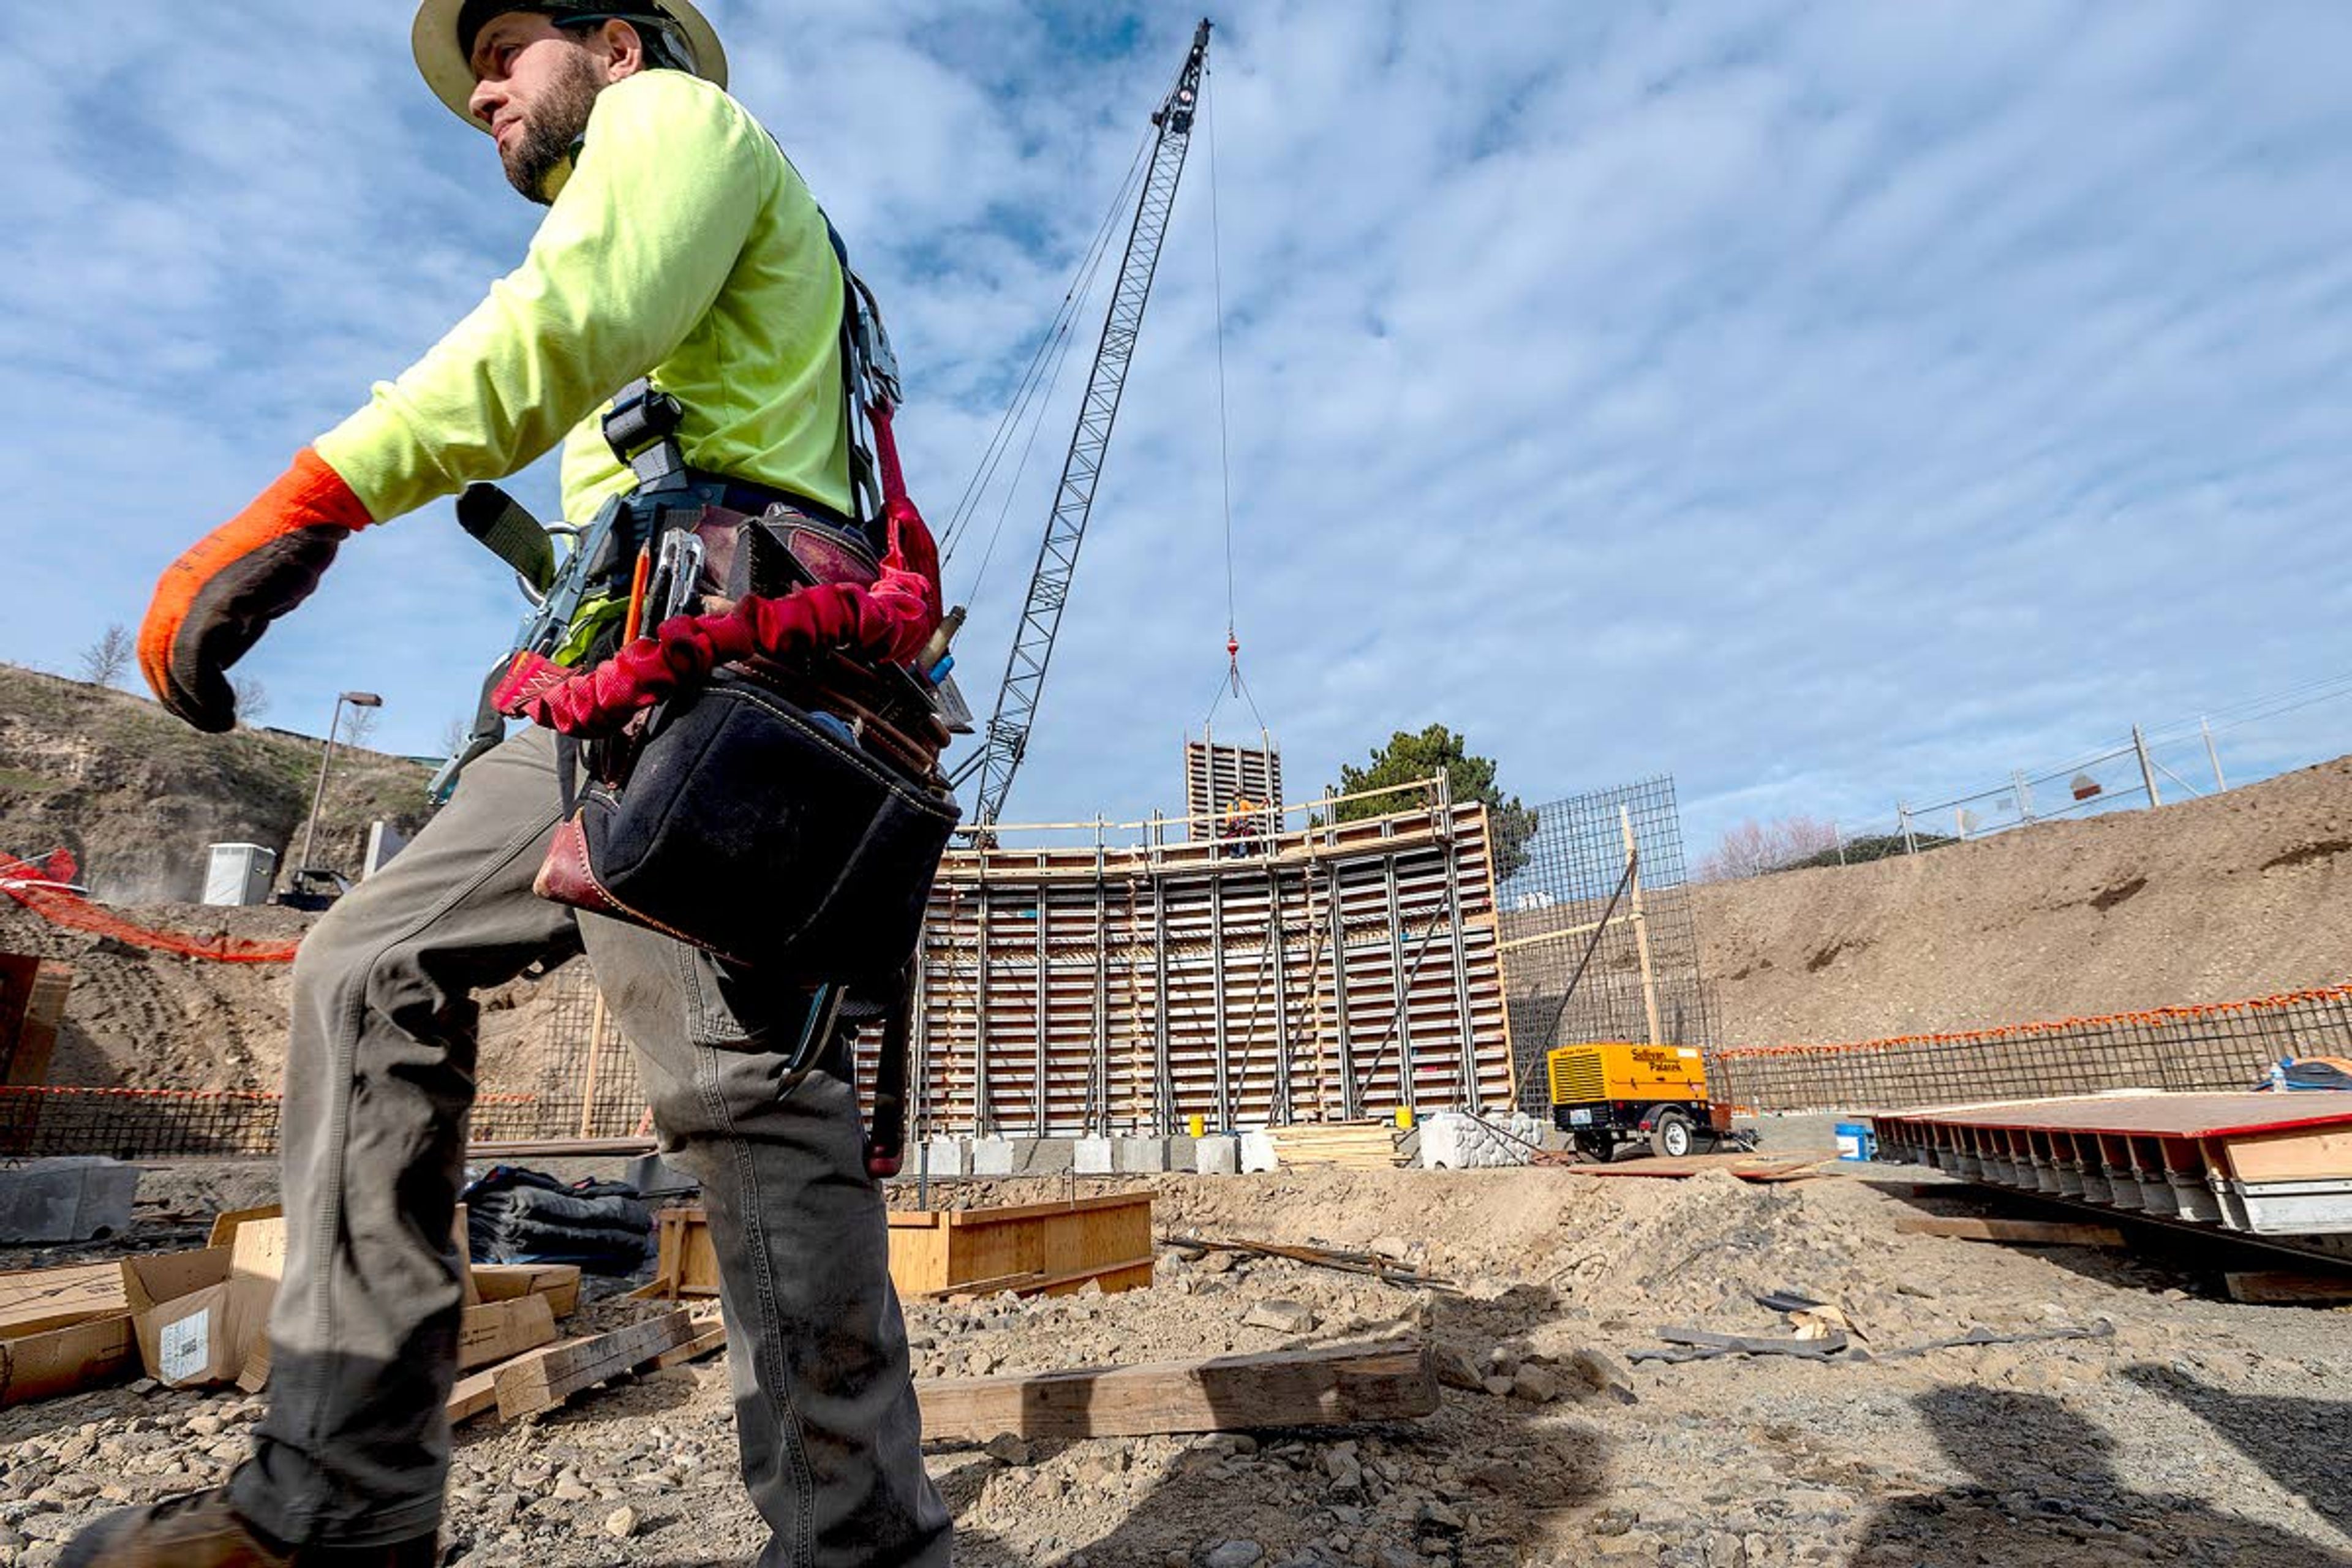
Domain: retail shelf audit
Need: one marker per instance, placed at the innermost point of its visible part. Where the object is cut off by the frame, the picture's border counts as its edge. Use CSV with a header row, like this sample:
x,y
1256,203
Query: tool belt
x,y
786,813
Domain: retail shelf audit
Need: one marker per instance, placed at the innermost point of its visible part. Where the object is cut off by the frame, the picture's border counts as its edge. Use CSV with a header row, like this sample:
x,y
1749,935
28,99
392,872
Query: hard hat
x,y
445,30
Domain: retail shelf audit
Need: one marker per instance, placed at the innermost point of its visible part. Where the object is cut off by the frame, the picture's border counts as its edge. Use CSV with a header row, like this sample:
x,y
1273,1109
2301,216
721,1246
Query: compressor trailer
x,y
1608,1093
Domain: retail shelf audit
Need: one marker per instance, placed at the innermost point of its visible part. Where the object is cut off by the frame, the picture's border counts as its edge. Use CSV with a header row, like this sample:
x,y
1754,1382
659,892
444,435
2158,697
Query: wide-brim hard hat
x,y
441,56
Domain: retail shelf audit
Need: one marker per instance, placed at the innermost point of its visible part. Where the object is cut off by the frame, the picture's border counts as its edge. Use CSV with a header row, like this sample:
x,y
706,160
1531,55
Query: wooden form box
x,y
1050,1249
1047,1250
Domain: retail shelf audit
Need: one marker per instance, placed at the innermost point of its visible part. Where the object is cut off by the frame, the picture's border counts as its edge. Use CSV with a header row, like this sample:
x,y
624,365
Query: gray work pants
x,y
381,1068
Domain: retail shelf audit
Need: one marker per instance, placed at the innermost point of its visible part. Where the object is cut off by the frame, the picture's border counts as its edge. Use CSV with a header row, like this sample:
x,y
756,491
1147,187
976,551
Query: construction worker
x,y
678,241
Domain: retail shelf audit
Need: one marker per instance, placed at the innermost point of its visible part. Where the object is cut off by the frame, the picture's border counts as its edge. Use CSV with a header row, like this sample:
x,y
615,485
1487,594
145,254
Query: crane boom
x,y
1057,554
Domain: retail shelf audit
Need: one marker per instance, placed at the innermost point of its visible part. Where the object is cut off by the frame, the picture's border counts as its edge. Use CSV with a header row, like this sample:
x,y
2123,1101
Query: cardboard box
x,y
38,1367
179,1306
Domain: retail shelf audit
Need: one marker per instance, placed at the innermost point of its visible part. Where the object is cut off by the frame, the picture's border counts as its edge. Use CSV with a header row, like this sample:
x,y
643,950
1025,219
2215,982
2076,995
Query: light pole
x,y
318,795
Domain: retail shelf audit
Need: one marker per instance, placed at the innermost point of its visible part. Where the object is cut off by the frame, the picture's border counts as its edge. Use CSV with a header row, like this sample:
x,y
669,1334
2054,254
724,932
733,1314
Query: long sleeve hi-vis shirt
x,y
683,244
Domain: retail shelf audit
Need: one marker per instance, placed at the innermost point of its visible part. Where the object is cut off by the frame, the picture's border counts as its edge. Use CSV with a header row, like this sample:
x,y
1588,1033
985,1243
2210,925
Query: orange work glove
x,y
214,601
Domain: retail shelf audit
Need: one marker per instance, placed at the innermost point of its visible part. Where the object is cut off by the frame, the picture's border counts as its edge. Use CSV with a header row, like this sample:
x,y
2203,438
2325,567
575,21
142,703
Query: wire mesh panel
x,y
1597,935
2216,1049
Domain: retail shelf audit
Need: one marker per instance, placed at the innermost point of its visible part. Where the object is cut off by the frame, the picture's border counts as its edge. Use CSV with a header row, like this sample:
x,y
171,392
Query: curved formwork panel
x,y
1336,973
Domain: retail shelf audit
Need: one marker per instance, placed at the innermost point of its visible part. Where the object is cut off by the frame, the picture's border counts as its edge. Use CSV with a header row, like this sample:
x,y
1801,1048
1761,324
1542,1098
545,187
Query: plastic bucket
x,y
1855,1140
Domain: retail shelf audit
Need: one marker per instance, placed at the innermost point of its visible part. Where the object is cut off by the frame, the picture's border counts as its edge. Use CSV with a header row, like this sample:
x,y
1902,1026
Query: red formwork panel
x,y
2150,1115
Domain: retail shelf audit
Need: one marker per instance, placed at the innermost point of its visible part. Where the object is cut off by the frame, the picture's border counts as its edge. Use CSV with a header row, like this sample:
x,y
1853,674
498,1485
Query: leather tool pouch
x,y
787,817
750,829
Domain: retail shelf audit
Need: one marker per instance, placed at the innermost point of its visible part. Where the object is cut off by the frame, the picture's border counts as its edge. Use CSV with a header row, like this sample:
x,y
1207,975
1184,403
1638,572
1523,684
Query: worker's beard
x,y
552,127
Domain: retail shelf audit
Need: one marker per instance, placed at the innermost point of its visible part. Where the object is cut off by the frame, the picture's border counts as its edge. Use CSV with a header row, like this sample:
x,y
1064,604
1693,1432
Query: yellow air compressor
x,y
1607,1093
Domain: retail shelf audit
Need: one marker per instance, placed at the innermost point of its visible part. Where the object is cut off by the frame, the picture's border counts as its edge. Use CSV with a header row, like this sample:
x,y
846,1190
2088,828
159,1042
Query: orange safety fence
x,y
2157,1017
41,890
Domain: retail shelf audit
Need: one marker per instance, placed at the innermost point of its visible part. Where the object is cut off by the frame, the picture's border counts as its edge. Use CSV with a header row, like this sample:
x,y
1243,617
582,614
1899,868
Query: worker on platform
x,y
678,242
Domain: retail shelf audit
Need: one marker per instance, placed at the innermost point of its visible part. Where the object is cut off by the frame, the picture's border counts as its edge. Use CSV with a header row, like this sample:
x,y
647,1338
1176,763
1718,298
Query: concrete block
x,y
991,1156
1217,1156
1095,1156
1140,1155
74,1198
1180,1152
1043,1156
1257,1153
950,1158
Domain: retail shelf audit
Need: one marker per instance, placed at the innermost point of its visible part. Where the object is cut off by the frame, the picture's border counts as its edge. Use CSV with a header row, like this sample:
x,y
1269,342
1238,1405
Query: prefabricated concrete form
x,y
2275,1166
1335,971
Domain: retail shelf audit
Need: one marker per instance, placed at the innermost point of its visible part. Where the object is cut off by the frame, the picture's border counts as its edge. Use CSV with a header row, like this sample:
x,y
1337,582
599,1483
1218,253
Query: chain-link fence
x,y
2138,769
1598,939
2216,1048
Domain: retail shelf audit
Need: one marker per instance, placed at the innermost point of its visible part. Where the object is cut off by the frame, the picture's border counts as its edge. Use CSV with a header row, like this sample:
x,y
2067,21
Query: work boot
x,y
201,1530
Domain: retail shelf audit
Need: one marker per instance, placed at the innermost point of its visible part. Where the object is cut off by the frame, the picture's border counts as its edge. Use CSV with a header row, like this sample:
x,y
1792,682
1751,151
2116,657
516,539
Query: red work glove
x,y
214,601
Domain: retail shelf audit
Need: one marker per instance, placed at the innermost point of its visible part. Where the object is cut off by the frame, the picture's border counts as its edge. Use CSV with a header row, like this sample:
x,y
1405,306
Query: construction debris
x,y
2288,1287
1747,1167
1378,1265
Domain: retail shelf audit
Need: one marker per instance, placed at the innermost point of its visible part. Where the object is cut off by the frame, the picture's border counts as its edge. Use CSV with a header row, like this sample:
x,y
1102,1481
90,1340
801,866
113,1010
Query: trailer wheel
x,y
1671,1135
1596,1146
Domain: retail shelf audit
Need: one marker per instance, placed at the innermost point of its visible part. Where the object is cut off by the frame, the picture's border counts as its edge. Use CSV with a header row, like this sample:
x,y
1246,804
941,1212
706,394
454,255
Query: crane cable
x,y
1233,677
1035,390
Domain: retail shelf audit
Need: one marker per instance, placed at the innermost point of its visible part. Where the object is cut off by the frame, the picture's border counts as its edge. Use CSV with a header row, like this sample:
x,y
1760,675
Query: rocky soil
x,y
2197,1432
2242,894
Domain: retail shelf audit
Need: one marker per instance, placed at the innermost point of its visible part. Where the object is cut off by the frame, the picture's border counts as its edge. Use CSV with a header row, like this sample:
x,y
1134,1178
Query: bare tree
x,y
104,661
1753,848
358,728
252,697
455,734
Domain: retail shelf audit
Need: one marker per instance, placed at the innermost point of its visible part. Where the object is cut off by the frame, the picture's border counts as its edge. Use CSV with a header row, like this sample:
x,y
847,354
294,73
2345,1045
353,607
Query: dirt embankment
x,y
138,797
2243,894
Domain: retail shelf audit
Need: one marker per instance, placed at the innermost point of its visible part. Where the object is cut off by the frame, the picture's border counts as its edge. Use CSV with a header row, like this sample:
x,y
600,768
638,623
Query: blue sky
x,y
1821,403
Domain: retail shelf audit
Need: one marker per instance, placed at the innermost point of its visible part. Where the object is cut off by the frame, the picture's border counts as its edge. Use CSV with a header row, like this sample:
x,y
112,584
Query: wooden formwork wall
x,y
1335,972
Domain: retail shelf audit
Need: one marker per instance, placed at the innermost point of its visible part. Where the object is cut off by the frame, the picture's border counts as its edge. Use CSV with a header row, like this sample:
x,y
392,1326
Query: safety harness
x,y
707,732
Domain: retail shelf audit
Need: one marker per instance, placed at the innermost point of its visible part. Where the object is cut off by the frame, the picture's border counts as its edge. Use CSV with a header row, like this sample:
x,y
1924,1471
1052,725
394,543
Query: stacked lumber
x,y
1354,1145
199,1318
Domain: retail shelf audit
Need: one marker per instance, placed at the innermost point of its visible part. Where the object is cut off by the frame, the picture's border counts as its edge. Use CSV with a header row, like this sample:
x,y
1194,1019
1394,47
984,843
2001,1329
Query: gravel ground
x,y
2200,1431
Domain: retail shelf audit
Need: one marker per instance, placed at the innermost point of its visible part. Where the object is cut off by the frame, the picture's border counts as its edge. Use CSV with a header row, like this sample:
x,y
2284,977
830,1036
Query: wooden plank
x,y
473,1395
461,1234
1040,1283
559,1282
64,1361
543,1379
713,1337
2287,1287
2030,1231
2298,1156
499,1330
38,1300
1334,1385
226,1223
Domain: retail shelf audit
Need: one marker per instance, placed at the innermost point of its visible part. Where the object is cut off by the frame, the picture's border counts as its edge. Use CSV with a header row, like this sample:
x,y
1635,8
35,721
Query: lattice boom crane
x,y
1057,555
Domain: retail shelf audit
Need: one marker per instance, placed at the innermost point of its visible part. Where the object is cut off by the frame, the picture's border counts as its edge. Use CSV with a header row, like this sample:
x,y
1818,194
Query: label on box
x,y
187,1346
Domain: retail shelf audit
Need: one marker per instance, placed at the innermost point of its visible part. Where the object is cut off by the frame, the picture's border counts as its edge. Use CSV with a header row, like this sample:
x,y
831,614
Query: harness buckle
x,y
642,430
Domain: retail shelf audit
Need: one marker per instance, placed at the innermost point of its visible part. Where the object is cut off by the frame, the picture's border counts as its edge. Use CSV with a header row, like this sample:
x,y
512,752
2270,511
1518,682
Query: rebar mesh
x,y
2216,1049
1602,876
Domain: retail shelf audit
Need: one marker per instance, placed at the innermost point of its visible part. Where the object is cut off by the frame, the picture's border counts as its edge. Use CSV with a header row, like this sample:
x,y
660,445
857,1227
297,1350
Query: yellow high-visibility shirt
x,y
683,244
